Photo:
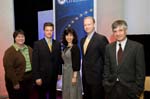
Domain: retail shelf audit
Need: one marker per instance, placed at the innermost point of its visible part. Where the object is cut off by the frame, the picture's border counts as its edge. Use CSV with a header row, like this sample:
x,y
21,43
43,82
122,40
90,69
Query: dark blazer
x,y
131,72
46,64
93,60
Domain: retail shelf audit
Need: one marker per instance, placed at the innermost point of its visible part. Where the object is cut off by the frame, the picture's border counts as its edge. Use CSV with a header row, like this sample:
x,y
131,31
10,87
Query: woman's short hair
x,y
19,31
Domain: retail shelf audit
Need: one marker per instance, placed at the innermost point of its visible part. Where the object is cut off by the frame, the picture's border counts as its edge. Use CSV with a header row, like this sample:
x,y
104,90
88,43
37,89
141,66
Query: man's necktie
x,y
120,54
86,44
50,45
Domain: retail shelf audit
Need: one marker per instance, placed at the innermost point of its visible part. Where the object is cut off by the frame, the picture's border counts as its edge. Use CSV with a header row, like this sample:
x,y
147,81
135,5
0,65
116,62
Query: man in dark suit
x,y
93,48
46,63
124,69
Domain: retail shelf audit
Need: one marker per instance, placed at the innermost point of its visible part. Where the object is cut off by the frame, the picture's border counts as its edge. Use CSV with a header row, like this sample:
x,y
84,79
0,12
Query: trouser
x,y
119,91
25,88
92,91
47,91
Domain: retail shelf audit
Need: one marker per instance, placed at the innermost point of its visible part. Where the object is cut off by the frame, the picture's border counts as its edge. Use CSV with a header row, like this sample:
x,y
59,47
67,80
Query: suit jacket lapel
x,y
91,42
125,53
83,44
126,50
45,44
114,53
53,45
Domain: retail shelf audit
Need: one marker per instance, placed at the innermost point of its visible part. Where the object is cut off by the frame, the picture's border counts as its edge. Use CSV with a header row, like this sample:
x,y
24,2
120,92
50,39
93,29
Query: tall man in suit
x,y
93,48
124,69
46,63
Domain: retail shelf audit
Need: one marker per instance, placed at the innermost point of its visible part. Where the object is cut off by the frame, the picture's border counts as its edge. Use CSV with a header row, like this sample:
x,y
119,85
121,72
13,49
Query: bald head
x,y
89,24
91,18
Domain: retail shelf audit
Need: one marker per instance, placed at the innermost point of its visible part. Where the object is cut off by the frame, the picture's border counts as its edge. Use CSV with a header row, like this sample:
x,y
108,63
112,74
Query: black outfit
x,y
126,80
92,66
47,66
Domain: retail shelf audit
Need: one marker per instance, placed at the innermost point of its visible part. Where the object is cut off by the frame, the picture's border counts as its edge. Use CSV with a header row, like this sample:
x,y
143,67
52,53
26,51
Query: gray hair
x,y
117,23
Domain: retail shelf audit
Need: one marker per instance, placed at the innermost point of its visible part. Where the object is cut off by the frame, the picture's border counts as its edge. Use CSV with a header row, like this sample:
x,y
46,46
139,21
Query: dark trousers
x,y
92,91
23,93
47,91
119,91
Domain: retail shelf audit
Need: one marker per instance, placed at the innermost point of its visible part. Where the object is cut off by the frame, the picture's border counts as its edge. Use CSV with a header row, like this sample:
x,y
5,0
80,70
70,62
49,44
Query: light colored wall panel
x,y
6,39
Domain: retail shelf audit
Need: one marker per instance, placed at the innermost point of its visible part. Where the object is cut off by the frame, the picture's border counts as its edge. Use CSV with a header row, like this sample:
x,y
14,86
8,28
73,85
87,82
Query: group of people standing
x,y
109,71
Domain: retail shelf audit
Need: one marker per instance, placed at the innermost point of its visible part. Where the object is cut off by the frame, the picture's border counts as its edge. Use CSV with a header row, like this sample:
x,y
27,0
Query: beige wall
x,y
6,30
135,12
107,12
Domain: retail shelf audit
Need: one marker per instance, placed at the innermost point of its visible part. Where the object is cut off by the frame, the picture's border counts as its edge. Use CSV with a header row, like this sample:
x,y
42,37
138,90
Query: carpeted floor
x,y
34,96
59,95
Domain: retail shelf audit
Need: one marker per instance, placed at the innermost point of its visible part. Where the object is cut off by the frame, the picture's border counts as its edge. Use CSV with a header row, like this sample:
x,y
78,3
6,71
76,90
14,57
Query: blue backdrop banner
x,y
70,13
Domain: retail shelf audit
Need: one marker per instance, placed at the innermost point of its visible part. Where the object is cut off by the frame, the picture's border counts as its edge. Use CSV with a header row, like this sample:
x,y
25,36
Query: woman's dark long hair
x,y
69,31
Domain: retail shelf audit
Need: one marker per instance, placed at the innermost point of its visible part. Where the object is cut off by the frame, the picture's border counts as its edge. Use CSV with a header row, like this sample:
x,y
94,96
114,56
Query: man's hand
x,y
59,77
17,86
39,82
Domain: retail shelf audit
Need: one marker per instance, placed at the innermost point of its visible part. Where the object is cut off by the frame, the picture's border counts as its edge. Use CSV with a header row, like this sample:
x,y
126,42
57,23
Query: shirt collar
x,y
123,43
90,35
17,48
47,40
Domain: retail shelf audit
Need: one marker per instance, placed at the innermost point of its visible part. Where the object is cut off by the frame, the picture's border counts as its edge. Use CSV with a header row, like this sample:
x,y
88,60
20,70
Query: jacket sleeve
x,y
140,69
108,81
8,62
106,65
60,61
103,42
35,62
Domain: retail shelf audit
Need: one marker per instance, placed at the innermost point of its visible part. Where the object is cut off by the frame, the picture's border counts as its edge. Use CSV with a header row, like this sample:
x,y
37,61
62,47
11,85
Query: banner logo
x,y
70,13
61,2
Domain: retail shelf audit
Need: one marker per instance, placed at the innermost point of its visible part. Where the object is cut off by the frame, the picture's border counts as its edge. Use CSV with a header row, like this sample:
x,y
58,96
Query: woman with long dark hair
x,y
71,86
